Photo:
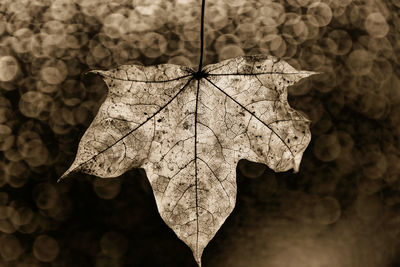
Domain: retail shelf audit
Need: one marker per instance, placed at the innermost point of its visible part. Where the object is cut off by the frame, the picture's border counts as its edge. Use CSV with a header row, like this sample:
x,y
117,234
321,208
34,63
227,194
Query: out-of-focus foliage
x,y
348,190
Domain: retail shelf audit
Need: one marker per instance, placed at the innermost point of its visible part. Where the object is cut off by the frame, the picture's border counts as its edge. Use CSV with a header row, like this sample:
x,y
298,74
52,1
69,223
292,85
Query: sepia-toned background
x,y
341,210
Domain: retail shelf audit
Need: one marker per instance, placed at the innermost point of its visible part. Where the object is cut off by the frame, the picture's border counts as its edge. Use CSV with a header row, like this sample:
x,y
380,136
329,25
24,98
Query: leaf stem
x,y
203,4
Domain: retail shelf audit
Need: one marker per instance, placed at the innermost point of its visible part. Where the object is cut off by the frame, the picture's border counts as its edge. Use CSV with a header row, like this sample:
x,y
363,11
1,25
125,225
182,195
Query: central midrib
x,y
195,166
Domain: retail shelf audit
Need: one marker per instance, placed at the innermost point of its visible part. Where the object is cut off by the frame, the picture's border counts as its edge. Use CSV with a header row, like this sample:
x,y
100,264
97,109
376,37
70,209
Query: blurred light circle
x,y
359,62
107,188
45,248
6,226
35,104
327,210
235,3
251,169
62,9
6,212
22,216
273,14
230,51
153,45
10,248
19,173
327,147
53,75
73,92
376,25
180,60
319,14
113,244
216,16
8,68
46,196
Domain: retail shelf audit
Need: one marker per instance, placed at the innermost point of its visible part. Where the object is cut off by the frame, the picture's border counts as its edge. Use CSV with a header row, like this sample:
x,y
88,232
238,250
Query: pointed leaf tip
x,y
307,73
72,169
198,259
65,174
310,73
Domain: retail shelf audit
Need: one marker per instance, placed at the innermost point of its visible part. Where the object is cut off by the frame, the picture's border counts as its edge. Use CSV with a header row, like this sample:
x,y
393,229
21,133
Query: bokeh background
x,y
341,210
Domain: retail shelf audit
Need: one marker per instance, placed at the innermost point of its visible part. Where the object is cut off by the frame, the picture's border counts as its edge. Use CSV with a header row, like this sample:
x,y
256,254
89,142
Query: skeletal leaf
x,y
188,131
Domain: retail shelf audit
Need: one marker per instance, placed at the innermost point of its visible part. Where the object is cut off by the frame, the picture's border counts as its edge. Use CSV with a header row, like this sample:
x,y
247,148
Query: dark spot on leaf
x,y
186,125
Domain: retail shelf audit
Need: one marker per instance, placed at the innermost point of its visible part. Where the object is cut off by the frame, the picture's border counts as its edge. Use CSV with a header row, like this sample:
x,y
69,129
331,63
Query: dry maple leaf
x,y
189,129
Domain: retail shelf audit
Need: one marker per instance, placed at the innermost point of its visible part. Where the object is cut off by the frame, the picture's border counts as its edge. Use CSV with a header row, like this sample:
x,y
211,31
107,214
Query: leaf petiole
x,y
203,3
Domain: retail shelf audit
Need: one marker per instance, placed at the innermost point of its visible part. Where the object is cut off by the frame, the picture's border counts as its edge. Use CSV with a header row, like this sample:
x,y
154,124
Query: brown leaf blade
x,y
189,135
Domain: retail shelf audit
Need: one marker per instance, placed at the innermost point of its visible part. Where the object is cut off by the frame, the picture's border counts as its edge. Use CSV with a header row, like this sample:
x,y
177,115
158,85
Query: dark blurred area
x,y
342,209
